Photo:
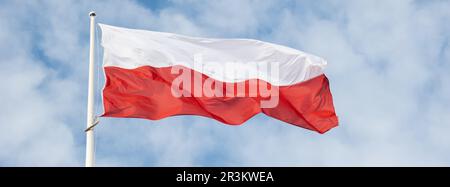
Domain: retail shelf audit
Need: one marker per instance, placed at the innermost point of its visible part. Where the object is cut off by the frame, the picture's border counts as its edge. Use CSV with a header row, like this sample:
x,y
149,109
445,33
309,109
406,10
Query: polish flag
x,y
154,75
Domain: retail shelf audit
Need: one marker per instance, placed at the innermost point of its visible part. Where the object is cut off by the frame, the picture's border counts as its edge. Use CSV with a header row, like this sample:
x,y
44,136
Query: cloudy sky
x,y
389,64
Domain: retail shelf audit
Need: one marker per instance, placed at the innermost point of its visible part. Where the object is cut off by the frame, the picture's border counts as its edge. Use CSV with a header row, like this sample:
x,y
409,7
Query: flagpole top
x,y
92,13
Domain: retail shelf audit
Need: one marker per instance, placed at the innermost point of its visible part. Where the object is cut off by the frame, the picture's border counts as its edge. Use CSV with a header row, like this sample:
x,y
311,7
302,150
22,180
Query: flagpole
x,y
90,104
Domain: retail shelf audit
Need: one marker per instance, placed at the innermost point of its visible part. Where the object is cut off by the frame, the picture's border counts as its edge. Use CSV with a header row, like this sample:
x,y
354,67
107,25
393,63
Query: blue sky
x,y
388,69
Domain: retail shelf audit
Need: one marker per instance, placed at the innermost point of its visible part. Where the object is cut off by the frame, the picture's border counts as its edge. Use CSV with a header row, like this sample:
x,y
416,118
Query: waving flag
x,y
154,75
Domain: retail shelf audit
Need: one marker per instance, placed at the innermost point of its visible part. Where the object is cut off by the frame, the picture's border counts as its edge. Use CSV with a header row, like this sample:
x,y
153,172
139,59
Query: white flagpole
x,y
90,105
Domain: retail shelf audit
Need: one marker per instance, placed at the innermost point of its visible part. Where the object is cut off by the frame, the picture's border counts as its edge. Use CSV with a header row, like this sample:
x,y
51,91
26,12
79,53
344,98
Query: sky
x,y
388,65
